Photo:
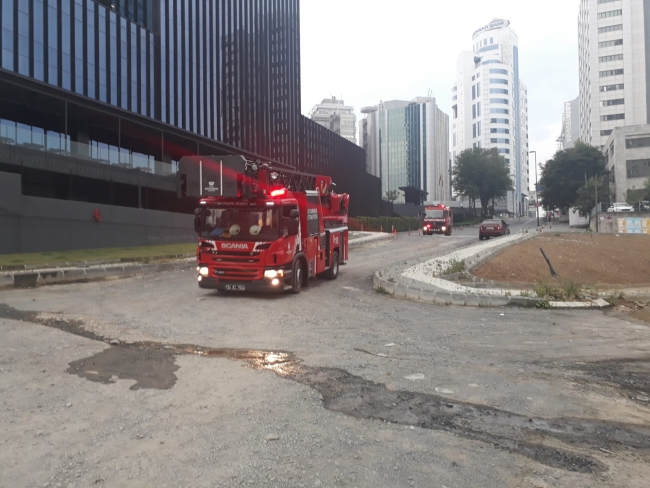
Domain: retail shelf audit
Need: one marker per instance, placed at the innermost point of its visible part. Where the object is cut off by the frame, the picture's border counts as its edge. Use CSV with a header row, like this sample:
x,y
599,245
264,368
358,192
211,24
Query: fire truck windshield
x,y
435,214
250,224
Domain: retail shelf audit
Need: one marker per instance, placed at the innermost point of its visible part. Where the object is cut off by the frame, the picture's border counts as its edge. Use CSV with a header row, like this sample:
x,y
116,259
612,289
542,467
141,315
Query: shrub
x,y
543,290
572,290
375,224
454,267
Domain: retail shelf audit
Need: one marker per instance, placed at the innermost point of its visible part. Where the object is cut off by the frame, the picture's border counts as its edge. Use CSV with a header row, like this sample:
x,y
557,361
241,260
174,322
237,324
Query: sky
x,y
366,51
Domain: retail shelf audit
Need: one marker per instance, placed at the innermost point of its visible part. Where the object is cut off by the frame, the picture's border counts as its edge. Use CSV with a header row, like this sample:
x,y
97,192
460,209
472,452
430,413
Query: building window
x,y
500,141
606,88
605,118
503,150
499,131
499,100
638,168
488,48
454,89
498,81
478,109
610,28
607,103
616,42
492,61
611,72
473,131
638,142
478,90
499,111
610,13
496,71
499,91
473,92
606,1
605,59
500,121
606,132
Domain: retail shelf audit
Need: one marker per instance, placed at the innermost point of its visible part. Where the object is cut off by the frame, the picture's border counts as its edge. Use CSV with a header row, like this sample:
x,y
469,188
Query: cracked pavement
x,y
150,381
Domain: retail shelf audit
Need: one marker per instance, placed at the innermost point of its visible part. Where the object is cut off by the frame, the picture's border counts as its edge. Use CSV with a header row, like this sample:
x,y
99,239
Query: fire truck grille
x,y
242,260
240,273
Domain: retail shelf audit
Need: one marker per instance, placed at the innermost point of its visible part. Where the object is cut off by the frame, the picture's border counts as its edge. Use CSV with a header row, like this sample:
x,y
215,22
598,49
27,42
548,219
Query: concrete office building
x,y
334,115
614,52
628,158
570,125
99,100
407,146
490,106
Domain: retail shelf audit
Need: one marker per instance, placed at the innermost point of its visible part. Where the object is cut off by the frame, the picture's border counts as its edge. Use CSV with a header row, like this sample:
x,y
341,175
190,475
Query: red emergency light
x,y
279,193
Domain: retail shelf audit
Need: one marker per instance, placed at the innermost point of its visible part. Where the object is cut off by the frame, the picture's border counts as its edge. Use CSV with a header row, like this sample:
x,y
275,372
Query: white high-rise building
x,y
614,50
337,117
490,106
570,125
407,146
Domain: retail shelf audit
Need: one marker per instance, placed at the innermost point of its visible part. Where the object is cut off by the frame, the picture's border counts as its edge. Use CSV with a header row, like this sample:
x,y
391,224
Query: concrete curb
x,y
470,299
31,279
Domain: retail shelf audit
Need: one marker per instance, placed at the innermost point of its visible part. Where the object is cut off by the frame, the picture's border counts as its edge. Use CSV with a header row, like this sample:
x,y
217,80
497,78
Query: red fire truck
x,y
437,219
263,228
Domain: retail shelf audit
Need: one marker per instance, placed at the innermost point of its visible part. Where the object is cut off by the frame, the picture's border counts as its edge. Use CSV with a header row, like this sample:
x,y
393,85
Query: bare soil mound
x,y
587,259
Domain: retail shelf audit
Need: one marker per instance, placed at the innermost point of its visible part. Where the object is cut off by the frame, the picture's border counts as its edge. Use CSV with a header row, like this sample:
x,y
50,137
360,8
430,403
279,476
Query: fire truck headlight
x,y
204,271
275,282
271,273
425,228
444,228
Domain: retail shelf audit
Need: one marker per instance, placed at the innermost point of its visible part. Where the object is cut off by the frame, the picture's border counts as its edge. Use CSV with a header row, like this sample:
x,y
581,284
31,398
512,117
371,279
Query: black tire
x,y
333,272
480,238
297,277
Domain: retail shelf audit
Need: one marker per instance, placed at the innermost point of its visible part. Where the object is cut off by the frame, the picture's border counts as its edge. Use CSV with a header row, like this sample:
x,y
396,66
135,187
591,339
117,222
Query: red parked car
x,y
493,228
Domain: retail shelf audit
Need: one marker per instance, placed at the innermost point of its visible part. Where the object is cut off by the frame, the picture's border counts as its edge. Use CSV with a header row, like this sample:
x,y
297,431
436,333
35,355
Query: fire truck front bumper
x,y
267,285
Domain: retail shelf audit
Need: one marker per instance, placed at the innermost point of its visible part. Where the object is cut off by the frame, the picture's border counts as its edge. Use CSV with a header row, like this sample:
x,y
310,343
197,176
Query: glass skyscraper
x,y
100,99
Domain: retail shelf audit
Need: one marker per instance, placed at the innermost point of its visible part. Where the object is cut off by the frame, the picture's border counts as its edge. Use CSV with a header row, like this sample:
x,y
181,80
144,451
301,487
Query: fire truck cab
x,y
262,228
437,219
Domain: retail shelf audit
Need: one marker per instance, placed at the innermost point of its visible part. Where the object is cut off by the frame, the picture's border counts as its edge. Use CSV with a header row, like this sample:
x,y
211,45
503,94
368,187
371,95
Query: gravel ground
x,y
152,382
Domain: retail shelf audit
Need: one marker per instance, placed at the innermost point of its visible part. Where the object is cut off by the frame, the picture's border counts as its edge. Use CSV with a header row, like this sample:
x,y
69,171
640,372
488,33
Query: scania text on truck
x,y
263,228
437,219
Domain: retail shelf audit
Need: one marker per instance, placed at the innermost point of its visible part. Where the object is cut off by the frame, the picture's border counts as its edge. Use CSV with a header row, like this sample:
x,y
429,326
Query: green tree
x,y
564,175
392,195
586,196
481,175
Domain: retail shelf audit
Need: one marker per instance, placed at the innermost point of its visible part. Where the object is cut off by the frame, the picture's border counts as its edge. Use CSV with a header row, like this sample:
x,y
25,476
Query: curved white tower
x,y
490,107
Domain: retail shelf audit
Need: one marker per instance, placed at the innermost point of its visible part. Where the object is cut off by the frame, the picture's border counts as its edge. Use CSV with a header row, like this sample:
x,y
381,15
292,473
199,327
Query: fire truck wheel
x,y
297,277
333,272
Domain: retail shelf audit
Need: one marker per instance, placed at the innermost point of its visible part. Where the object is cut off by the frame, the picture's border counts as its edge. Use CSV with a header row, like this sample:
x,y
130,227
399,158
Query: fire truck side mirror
x,y
294,214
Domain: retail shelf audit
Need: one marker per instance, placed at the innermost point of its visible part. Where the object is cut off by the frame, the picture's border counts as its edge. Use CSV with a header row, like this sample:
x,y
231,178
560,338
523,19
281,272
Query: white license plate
x,y
235,287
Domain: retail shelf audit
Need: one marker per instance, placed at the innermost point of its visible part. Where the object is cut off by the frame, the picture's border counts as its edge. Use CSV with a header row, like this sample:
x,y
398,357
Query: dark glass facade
x,y
228,70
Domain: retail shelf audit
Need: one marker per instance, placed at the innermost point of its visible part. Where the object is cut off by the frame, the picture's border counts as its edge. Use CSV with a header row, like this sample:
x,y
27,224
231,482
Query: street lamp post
x,y
536,188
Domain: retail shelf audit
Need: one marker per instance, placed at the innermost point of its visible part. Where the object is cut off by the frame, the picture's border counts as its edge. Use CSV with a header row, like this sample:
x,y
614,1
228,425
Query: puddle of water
x,y
152,365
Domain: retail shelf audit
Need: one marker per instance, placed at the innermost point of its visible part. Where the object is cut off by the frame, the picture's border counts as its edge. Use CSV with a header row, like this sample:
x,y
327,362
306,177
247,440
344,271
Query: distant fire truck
x,y
263,228
437,219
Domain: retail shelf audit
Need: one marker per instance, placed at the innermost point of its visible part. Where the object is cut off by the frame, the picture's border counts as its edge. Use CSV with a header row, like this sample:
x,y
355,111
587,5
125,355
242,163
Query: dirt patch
x,y
587,259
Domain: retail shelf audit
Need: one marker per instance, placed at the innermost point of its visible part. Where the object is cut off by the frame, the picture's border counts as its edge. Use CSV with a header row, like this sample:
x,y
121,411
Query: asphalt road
x,y
338,386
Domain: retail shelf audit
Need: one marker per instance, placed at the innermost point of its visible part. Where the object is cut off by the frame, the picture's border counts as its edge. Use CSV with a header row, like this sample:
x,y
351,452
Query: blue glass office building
x,y
99,100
